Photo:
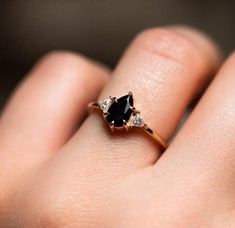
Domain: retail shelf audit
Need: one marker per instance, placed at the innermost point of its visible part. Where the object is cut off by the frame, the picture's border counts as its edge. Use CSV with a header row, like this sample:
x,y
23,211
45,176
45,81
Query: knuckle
x,y
64,64
46,212
74,65
45,207
167,43
36,211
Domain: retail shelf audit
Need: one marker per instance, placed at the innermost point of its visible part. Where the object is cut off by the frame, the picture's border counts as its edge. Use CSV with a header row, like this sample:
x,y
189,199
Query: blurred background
x,y
100,29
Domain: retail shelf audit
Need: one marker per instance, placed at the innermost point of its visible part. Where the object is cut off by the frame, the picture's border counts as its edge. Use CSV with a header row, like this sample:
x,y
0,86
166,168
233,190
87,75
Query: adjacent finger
x,y
45,110
203,152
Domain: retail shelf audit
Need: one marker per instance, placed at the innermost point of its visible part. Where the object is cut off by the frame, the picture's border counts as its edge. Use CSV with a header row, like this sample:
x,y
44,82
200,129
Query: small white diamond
x,y
105,104
137,121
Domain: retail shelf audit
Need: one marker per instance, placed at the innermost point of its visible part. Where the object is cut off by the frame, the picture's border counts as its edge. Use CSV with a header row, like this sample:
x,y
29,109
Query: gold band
x,y
154,135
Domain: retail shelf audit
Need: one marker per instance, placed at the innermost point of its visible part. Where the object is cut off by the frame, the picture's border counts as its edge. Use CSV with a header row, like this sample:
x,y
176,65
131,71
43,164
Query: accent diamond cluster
x,y
136,121
105,104
120,112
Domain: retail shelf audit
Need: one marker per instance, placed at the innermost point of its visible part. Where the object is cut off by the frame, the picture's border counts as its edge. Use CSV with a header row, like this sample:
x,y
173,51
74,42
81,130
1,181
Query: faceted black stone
x,y
120,110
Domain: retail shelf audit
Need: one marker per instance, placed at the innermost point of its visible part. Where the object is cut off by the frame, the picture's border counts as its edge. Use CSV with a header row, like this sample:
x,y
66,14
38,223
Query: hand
x,y
59,170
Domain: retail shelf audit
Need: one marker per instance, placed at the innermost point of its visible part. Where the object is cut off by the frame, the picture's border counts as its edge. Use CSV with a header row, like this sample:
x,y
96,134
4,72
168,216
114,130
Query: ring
x,y
120,114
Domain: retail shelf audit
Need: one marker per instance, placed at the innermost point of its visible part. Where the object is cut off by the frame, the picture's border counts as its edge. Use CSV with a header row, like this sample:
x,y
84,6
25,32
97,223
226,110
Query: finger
x,y
163,68
45,109
203,152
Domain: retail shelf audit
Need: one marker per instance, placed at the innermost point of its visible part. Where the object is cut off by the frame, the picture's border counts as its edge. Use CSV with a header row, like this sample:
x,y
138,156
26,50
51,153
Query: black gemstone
x,y
120,111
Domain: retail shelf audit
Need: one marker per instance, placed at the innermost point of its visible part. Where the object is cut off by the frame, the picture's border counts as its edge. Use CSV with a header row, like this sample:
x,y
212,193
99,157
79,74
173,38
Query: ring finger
x,y
163,68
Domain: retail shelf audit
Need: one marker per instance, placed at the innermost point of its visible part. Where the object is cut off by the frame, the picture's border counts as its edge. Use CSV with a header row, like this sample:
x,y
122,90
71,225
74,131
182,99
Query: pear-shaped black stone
x,y
120,110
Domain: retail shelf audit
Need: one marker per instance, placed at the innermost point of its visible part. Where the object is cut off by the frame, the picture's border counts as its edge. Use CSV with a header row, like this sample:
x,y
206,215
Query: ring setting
x,y
120,113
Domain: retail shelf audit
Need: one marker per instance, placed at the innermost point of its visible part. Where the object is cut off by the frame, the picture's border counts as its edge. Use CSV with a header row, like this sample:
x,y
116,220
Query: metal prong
x,y
125,125
135,111
111,125
132,108
114,99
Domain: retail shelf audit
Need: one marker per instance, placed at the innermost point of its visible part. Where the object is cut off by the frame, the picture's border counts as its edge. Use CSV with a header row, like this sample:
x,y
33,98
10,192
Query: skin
x,y
61,168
